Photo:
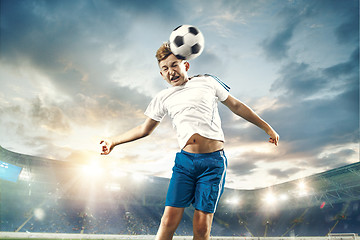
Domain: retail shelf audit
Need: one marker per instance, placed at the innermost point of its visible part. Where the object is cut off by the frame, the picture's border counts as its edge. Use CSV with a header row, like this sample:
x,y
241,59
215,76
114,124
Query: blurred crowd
x,y
78,216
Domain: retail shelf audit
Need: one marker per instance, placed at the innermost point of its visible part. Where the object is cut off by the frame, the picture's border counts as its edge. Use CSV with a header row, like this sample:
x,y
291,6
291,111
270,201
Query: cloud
x,y
348,31
295,15
73,71
284,174
316,107
276,47
70,41
345,68
320,108
52,118
210,61
332,159
299,80
168,9
242,167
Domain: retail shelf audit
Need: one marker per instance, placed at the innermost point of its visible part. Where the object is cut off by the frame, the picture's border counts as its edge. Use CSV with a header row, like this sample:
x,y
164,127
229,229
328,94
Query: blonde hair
x,y
163,52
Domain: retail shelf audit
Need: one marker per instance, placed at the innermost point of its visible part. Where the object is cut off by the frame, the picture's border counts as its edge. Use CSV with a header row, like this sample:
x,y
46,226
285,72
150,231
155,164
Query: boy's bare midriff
x,y
200,144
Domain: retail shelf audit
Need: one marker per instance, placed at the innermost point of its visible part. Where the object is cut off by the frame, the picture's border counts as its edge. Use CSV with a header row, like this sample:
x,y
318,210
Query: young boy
x,y
200,167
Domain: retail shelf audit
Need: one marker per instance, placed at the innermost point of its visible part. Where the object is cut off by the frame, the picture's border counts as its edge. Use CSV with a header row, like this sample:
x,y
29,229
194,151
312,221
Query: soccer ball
x,y
186,42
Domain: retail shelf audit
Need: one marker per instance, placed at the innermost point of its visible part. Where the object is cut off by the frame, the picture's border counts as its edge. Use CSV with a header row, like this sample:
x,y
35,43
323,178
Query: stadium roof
x,y
337,185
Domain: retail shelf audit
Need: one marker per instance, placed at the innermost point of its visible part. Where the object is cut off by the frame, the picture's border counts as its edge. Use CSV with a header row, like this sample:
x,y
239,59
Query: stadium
x,y
50,199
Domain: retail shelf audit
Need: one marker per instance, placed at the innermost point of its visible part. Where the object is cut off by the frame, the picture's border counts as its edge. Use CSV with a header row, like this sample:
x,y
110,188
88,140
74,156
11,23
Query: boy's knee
x,y
169,222
202,230
202,224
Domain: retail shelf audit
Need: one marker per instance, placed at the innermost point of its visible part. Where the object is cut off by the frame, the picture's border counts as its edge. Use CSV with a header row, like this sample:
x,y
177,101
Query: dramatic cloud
x,y
73,72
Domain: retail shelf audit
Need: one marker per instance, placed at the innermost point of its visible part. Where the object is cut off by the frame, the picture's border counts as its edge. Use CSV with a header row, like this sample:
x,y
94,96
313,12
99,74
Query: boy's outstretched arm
x,y
138,132
248,114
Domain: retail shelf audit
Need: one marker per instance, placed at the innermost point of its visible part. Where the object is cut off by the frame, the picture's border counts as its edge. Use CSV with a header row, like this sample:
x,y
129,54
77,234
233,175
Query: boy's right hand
x,y
107,146
274,137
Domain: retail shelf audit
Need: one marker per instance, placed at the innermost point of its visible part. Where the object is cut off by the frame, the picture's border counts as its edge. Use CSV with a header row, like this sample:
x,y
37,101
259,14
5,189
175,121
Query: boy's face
x,y
174,70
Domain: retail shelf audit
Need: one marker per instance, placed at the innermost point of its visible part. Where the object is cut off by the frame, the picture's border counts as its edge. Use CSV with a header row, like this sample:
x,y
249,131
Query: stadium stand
x,y
51,196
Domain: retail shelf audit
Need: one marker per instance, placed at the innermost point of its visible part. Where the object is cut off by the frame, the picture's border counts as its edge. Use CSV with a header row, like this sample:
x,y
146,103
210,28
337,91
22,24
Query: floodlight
x,y
270,198
39,213
118,173
138,177
113,187
284,197
92,170
302,193
25,175
301,185
302,189
233,201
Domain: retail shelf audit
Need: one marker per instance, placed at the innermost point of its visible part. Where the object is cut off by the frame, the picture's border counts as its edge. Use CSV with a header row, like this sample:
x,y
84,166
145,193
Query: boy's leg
x,y
169,222
202,225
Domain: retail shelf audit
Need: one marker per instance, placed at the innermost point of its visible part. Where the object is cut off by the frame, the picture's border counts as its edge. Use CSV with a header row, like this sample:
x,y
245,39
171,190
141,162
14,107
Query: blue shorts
x,y
197,179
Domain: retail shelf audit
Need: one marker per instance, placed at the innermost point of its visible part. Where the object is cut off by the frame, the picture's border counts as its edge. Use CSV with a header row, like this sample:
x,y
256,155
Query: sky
x,y
75,72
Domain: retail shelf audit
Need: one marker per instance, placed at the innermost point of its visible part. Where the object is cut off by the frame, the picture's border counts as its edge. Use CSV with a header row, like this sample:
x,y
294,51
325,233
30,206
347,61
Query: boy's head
x,y
163,52
172,69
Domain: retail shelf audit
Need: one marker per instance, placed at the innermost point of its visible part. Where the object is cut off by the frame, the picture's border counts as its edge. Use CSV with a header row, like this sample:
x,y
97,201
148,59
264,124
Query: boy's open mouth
x,y
174,78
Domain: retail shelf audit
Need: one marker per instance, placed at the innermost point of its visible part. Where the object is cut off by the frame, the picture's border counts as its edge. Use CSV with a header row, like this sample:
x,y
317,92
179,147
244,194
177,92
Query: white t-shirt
x,y
192,107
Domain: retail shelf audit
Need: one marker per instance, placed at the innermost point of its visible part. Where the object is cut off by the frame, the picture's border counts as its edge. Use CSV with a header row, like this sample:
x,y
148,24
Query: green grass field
x,y
65,236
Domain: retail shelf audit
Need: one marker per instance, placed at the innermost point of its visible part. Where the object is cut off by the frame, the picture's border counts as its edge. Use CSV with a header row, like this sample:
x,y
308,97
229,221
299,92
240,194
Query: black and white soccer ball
x,y
186,42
